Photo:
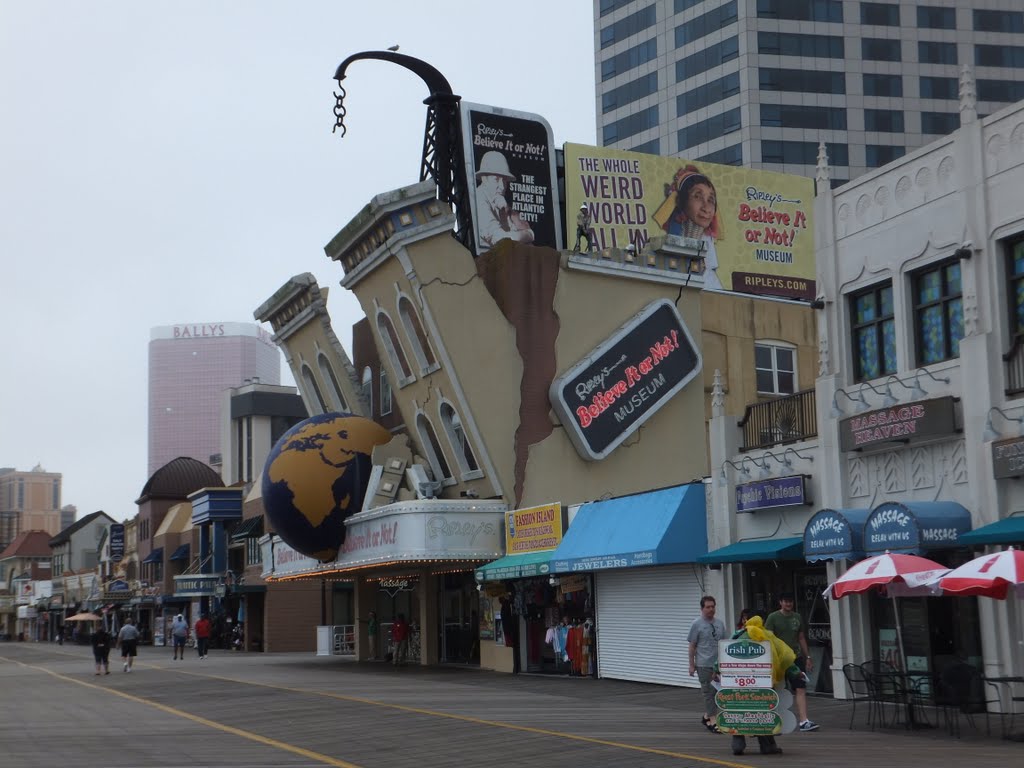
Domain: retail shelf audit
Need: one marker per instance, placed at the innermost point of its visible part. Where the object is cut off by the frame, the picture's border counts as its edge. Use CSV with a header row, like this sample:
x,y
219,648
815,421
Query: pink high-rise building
x,y
190,365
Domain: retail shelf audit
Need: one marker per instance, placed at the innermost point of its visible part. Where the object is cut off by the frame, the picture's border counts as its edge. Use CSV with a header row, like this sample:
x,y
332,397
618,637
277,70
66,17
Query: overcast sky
x,y
166,163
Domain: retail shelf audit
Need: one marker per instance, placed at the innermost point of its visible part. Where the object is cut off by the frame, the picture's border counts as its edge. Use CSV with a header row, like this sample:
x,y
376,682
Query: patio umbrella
x,y
898,574
84,617
987,576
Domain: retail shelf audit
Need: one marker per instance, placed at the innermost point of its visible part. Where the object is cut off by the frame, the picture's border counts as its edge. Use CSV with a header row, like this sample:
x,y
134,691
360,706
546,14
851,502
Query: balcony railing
x,y
1014,362
786,419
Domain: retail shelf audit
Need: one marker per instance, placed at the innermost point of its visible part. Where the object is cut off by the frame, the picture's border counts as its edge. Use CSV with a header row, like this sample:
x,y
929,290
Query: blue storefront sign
x,y
915,527
116,542
835,534
766,494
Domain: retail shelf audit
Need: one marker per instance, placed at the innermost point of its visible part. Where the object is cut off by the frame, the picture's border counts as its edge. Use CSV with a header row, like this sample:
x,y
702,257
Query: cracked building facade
x,y
474,353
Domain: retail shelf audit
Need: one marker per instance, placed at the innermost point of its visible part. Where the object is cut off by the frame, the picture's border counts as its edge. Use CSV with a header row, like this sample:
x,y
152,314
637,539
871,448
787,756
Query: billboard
x,y
535,529
754,228
610,393
510,161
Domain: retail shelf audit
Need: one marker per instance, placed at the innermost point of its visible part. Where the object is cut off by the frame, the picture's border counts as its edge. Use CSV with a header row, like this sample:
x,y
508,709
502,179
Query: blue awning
x,y
756,551
654,528
155,556
1009,530
181,553
915,527
515,566
835,534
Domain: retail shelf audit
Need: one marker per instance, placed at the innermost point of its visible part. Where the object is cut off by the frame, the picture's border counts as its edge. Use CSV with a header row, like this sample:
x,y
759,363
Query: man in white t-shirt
x,y
705,632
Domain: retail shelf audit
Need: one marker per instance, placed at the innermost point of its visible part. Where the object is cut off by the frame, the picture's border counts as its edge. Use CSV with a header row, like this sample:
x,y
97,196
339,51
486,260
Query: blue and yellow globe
x,y
316,477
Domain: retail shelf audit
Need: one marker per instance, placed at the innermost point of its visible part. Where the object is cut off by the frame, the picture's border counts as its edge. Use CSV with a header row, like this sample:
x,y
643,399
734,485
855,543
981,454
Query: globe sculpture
x,y
316,477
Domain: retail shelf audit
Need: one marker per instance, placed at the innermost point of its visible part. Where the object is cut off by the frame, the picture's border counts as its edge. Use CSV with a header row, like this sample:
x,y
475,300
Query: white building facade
x,y
919,407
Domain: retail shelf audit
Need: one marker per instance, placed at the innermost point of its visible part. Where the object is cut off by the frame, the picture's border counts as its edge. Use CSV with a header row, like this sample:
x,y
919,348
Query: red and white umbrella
x,y
900,574
987,576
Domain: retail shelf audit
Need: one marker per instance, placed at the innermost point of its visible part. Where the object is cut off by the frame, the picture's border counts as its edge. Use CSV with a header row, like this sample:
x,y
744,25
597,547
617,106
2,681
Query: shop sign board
x,y
395,585
605,562
117,542
609,394
517,571
1008,457
510,162
768,494
196,585
535,529
760,239
749,705
896,527
922,420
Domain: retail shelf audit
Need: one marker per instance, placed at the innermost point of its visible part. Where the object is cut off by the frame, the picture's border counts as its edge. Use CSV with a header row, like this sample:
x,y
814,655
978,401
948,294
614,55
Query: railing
x,y
786,419
1014,362
343,640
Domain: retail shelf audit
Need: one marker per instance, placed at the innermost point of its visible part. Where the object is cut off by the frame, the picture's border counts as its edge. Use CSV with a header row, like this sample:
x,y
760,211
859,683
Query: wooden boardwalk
x,y
258,710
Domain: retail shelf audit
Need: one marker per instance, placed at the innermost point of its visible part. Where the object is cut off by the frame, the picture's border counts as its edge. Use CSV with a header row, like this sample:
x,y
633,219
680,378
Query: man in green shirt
x,y
788,626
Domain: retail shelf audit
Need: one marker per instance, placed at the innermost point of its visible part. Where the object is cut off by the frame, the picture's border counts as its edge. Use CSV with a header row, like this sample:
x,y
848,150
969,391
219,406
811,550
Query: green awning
x,y
762,549
516,566
1009,530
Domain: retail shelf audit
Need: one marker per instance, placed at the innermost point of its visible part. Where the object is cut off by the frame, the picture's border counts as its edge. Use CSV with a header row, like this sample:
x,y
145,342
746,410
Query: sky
x,y
165,163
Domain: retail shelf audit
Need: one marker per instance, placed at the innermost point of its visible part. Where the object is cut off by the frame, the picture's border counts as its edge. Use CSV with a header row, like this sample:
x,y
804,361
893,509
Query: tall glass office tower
x,y
761,82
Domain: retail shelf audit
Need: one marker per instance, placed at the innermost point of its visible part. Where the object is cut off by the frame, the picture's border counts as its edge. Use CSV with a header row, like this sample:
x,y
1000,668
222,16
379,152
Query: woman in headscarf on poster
x,y
691,210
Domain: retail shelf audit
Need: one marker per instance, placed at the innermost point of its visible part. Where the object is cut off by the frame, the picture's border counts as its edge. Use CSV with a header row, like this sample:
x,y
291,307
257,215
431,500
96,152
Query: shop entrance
x,y
459,620
766,581
937,631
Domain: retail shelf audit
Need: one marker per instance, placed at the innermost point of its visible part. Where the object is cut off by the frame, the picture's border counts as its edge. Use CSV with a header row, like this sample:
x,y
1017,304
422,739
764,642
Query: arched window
x,y
417,338
327,373
457,437
313,390
428,438
393,349
367,389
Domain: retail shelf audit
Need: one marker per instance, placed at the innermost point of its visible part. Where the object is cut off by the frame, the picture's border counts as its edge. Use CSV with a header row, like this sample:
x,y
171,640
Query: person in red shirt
x,y
202,636
400,638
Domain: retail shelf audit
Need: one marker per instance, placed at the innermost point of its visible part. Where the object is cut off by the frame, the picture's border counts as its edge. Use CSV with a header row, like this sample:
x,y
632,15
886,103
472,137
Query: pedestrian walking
x,y
789,627
705,632
203,628
128,642
101,650
400,639
179,634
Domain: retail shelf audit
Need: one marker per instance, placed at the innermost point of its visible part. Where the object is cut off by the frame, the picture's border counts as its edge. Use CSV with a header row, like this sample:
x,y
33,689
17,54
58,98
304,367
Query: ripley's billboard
x,y
606,396
510,161
754,228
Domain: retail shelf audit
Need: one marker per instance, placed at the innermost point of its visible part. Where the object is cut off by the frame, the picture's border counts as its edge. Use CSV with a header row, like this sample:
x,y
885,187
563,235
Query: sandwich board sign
x,y
748,704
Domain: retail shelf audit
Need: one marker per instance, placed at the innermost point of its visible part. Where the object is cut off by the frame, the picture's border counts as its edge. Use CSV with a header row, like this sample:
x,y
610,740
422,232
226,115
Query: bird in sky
x,y
393,48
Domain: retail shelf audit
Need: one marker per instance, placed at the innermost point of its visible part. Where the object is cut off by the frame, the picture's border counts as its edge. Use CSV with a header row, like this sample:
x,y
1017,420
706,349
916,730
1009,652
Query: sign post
x,y
748,704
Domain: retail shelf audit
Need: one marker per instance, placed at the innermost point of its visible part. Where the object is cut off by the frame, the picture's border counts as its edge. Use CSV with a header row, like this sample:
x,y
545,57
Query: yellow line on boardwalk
x,y
371,702
479,721
307,753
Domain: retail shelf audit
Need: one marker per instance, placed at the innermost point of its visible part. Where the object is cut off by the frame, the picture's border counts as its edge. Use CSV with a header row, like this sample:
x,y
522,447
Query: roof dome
x,y
178,478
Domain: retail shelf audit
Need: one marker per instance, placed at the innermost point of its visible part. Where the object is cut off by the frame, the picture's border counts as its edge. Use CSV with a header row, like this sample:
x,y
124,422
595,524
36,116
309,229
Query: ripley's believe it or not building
x,y
603,437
